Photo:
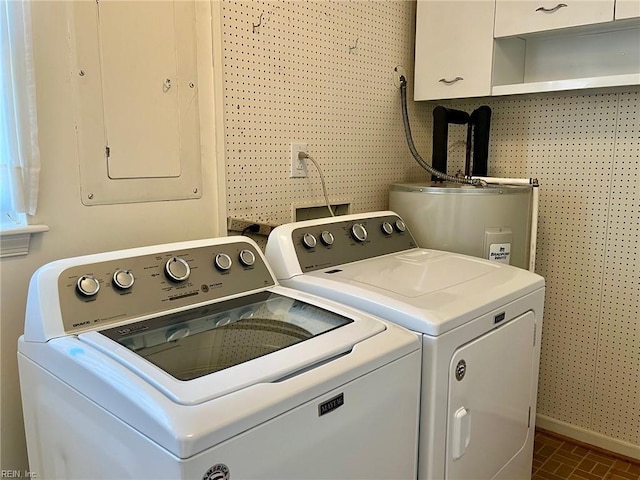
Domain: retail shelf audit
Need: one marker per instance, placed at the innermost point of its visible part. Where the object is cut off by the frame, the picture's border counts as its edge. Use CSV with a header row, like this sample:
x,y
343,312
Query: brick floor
x,y
557,458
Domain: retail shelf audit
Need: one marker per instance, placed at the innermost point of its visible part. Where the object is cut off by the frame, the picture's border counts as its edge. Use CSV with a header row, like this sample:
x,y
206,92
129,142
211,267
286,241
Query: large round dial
x,y
88,285
223,262
123,279
326,237
247,258
177,269
400,226
358,232
309,240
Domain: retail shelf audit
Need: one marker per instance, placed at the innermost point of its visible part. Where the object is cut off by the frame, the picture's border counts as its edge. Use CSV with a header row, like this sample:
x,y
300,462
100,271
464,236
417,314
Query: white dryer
x,y
188,360
480,323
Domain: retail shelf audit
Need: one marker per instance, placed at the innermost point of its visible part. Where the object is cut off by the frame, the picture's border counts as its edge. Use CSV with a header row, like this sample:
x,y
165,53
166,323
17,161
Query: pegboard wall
x,y
585,151
321,73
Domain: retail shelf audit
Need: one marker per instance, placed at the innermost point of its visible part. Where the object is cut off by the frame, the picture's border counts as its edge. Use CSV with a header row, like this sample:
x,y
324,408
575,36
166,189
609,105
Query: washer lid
x,y
203,353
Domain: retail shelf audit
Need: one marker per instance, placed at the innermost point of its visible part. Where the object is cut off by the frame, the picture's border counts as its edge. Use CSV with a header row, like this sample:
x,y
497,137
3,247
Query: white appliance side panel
x,y
70,437
373,435
488,414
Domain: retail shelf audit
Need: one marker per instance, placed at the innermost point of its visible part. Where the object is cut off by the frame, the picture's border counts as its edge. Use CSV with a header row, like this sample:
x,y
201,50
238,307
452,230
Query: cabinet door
x,y
514,17
454,47
627,9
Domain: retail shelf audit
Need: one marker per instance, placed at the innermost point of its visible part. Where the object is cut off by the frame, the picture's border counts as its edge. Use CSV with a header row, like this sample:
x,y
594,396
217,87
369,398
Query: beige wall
x,y
76,229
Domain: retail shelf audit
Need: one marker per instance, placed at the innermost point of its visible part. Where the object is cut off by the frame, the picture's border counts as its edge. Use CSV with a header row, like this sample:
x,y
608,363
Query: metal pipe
x,y
534,227
506,181
412,148
442,117
480,121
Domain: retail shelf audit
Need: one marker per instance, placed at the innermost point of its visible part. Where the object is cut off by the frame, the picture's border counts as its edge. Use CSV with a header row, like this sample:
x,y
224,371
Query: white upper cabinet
x,y
533,46
627,9
543,46
517,17
454,48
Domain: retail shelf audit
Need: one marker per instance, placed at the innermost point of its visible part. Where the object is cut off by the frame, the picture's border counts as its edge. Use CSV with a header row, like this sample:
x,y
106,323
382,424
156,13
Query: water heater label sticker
x,y
500,252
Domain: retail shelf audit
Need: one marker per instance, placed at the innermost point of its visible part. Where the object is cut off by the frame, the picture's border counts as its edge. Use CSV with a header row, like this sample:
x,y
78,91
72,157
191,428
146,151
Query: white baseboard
x,y
587,436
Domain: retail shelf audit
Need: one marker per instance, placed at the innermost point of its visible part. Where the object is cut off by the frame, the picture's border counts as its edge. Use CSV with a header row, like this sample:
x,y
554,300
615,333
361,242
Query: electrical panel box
x,y
137,109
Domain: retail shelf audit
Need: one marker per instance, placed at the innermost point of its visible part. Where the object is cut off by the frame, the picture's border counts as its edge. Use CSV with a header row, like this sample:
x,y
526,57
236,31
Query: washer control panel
x,y
101,293
348,241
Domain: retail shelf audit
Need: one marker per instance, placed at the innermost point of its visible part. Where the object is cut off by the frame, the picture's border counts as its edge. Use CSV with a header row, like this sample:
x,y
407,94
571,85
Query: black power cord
x,y
253,228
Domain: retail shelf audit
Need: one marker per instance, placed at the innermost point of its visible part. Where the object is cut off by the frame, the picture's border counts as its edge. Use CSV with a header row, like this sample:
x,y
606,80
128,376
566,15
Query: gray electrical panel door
x,y
137,100
140,77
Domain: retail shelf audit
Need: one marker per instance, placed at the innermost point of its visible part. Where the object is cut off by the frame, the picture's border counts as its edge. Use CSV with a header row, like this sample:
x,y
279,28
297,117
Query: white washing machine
x,y
480,324
188,360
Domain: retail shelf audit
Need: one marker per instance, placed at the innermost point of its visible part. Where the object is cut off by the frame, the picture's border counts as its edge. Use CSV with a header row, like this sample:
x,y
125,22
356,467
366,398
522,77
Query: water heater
x,y
492,222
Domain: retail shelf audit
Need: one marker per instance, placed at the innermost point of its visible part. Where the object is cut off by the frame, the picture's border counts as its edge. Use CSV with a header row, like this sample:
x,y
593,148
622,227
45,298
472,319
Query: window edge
x,y
15,240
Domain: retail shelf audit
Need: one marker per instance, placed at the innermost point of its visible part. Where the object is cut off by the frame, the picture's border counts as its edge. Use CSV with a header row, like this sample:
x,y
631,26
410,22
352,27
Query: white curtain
x,y
19,152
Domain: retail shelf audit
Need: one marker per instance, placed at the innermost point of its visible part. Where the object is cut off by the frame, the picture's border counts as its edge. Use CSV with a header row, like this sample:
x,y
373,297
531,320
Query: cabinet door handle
x,y
551,10
450,82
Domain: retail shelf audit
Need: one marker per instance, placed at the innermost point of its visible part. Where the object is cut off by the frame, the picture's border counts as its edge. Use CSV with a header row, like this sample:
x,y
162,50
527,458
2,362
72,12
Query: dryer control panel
x,y
326,243
100,293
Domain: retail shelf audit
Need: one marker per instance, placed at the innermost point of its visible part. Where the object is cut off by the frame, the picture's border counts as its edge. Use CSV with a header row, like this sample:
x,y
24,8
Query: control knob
x,y
123,279
247,258
387,229
309,240
177,269
87,285
326,237
223,262
358,232
400,226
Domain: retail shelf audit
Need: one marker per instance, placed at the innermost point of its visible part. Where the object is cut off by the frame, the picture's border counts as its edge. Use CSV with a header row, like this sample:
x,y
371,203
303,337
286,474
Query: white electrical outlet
x,y
298,166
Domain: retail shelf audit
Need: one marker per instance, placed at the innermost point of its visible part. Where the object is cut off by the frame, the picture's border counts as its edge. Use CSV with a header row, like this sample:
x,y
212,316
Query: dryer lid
x,y
427,291
417,272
